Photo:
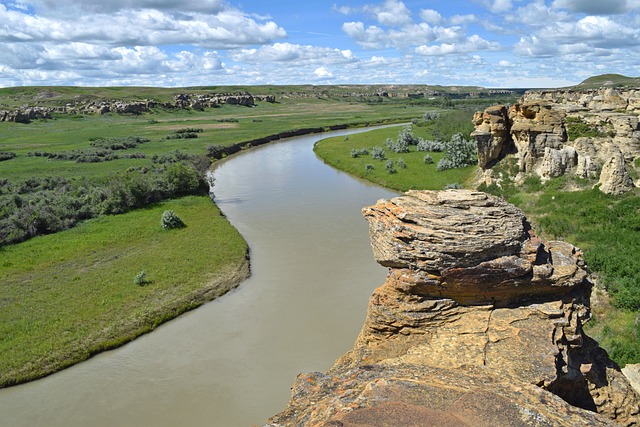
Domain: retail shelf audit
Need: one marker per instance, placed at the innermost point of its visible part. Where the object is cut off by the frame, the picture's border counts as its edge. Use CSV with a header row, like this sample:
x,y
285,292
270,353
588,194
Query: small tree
x,y
170,220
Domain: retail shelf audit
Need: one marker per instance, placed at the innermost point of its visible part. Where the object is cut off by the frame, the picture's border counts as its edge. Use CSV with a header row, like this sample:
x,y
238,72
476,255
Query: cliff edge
x,y
479,323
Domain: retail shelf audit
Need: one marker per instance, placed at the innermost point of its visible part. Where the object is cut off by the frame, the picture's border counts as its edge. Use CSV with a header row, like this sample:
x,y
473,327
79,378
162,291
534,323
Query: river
x,y
231,362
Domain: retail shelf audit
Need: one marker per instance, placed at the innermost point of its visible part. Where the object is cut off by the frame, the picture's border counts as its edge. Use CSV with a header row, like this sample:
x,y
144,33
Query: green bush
x,y
170,220
378,153
390,167
141,278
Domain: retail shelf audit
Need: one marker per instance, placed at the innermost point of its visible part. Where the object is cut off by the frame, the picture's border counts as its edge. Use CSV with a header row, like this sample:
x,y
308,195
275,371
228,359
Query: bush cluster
x,y
458,153
115,144
186,133
6,155
39,206
87,155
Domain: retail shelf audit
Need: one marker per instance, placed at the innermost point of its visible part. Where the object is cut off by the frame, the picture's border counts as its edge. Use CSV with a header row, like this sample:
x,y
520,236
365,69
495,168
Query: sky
x,y
178,43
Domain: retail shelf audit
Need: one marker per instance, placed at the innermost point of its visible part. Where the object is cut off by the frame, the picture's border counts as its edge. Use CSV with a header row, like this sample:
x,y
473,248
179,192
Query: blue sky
x,y
491,43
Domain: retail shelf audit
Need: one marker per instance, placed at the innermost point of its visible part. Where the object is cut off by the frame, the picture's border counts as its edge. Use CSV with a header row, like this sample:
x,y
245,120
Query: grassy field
x,y
220,126
72,294
416,175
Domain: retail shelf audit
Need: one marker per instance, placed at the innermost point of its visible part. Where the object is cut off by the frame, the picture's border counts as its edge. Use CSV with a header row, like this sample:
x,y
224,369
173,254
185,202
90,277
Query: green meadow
x,y
69,295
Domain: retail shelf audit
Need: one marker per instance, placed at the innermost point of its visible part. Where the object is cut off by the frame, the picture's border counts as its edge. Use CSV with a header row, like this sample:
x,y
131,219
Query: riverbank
x,y
70,295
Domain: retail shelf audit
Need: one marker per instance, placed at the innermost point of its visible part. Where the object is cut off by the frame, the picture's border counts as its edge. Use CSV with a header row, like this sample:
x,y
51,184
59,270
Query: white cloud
x,y
287,52
391,13
323,73
225,28
474,43
462,19
430,16
501,6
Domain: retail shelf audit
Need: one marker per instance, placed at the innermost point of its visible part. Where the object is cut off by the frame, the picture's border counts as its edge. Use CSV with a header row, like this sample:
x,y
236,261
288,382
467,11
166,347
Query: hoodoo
x,y
479,323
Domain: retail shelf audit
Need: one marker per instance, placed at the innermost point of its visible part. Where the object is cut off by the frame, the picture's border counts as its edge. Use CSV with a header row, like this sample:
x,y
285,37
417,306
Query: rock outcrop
x,y
544,131
181,101
479,323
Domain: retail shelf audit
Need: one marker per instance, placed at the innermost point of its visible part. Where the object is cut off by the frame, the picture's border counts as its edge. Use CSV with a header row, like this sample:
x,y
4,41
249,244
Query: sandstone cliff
x,y
554,133
479,323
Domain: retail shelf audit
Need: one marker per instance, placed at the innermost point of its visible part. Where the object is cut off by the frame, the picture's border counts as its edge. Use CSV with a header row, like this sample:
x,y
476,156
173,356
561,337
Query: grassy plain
x,y
69,295
417,174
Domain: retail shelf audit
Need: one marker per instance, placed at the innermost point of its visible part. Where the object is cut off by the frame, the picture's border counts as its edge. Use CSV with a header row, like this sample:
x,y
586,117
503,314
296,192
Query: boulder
x,y
614,178
479,323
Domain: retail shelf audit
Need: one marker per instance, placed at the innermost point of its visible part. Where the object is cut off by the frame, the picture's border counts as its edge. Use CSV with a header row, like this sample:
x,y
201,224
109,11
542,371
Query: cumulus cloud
x,y
224,28
286,52
474,43
431,16
323,73
390,13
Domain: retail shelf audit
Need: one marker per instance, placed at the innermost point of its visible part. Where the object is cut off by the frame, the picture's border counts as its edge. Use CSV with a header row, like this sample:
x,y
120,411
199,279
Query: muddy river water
x,y
232,361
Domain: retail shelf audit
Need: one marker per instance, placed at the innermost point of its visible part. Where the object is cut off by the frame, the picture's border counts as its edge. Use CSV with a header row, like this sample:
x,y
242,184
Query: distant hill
x,y
614,80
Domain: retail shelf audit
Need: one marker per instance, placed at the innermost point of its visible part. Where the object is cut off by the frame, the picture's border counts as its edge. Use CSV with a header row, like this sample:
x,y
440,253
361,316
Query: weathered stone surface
x,y
556,163
491,133
614,178
464,338
535,130
467,245
632,372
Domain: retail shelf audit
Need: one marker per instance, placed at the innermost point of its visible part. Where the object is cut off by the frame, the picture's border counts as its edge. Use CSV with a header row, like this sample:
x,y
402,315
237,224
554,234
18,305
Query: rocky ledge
x,y
478,323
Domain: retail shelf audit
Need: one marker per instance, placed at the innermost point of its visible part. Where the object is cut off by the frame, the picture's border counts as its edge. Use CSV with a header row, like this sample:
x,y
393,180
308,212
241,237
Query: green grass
x,y
417,175
72,294
67,133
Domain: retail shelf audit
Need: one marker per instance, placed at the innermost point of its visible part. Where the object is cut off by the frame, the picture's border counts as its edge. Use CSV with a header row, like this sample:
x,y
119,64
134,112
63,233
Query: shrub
x,y
141,278
171,220
355,153
427,159
368,167
378,153
458,153
430,116
389,166
363,151
433,146
401,163
406,136
444,164
453,186
6,155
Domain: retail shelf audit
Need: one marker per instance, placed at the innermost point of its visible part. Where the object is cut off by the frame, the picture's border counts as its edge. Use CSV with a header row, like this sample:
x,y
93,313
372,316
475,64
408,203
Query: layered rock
x,y
478,323
536,131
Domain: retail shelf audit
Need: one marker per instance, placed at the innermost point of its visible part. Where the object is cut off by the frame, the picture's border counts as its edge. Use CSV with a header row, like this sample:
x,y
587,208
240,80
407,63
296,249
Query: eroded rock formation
x,y
479,323
537,131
